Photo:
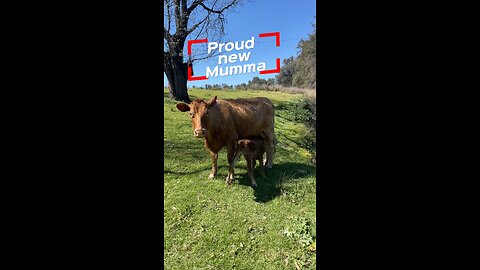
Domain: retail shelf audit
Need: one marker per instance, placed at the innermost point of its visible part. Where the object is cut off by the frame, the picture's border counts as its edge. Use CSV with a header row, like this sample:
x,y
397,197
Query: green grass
x,y
208,225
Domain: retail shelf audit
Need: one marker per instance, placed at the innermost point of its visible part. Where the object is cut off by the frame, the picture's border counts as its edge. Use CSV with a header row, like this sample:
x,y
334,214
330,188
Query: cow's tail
x,y
275,142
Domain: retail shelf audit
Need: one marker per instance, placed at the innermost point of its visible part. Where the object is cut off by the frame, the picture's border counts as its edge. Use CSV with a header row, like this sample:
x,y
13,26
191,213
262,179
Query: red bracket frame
x,y
189,45
277,43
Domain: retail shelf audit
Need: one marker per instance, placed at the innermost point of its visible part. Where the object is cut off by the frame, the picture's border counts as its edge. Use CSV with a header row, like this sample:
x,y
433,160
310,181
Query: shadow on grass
x,y
205,169
269,188
167,95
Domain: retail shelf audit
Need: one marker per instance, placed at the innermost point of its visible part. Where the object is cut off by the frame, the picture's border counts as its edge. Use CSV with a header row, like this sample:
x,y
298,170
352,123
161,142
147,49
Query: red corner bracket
x,y
277,39
273,34
189,45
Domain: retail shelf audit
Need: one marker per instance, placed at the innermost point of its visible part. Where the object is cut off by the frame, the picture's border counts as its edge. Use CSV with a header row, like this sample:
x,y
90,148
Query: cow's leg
x,y
269,149
250,166
213,174
231,161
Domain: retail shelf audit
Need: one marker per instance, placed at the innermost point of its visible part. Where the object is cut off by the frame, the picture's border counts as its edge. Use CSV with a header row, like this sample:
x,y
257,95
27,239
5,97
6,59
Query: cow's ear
x,y
212,101
183,107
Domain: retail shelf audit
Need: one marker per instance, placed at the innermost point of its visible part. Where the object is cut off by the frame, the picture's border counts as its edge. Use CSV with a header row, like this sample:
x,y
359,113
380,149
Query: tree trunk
x,y
177,75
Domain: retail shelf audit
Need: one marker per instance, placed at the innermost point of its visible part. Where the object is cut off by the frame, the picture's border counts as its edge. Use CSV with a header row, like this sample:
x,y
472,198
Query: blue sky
x,y
293,19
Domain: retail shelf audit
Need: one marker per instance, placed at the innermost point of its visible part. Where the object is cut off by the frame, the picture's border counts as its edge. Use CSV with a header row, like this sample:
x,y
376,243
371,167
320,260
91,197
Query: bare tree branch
x,y
213,54
203,27
196,25
199,23
178,18
219,11
166,35
193,6
169,15
211,10
184,7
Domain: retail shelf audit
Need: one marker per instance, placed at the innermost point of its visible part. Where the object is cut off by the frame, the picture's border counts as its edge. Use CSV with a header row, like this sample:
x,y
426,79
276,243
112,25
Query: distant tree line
x,y
257,83
218,86
301,71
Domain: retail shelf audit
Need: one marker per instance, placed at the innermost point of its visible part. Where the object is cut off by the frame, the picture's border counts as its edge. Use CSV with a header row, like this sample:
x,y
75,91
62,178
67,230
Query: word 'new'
x,y
232,58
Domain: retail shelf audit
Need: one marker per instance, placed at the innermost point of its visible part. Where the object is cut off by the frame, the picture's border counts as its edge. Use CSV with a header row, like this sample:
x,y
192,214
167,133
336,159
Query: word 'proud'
x,y
229,46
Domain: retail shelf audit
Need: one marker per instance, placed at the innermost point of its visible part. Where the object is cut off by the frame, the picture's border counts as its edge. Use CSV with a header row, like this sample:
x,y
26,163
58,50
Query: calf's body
x,y
253,150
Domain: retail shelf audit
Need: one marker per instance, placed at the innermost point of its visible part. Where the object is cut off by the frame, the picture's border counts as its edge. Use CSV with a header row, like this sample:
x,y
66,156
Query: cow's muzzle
x,y
199,133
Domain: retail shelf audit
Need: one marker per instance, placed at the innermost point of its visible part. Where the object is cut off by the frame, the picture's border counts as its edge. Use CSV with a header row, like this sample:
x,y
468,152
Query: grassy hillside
x,y
209,225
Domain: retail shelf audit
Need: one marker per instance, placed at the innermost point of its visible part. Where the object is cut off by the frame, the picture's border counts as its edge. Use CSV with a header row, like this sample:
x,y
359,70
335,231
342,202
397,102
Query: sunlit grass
x,y
211,226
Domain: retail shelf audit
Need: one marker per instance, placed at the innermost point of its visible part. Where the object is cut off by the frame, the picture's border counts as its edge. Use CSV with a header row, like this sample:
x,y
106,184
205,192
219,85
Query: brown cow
x,y
253,150
224,122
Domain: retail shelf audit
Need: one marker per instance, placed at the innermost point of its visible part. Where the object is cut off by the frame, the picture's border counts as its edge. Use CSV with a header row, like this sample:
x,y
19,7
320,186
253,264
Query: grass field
x,y
208,225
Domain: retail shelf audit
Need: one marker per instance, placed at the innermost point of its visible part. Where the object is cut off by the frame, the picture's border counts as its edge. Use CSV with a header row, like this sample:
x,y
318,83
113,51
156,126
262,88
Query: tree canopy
x,y
301,71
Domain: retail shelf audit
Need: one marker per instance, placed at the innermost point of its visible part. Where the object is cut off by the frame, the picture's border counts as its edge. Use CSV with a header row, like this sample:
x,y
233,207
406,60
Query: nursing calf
x,y
224,122
253,150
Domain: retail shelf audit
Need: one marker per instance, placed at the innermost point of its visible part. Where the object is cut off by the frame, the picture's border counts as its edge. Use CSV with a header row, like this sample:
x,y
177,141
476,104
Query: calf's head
x,y
246,146
199,113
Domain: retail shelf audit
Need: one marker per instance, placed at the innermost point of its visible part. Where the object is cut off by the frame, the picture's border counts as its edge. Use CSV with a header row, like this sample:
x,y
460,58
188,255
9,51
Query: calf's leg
x,y
236,157
250,166
231,163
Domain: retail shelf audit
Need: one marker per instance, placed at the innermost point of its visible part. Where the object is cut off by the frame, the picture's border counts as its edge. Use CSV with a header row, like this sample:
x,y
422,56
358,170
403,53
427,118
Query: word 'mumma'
x,y
234,70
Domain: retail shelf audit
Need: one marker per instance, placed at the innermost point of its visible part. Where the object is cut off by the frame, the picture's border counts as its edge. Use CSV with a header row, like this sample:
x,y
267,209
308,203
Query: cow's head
x,y
199,112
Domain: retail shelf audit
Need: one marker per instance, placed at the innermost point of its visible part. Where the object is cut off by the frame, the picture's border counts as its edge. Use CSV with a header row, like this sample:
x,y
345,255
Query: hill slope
x,y
208,225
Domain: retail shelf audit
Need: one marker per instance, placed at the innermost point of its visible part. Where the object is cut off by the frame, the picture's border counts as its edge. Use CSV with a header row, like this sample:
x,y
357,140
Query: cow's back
x,y
251,116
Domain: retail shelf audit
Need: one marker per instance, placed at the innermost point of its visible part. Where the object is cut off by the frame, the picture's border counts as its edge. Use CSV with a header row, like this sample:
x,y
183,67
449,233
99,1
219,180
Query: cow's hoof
x,y
211,176
254,184
229,179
